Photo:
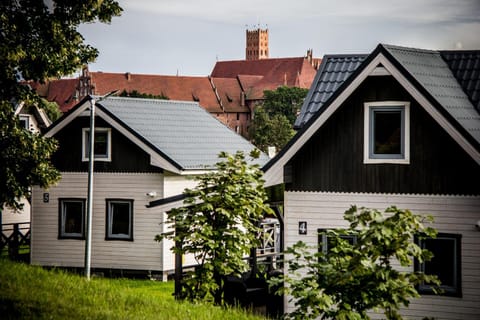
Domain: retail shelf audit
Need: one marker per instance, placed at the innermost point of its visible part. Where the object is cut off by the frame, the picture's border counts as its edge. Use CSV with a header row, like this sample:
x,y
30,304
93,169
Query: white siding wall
x,y
175,185
453,214
143,253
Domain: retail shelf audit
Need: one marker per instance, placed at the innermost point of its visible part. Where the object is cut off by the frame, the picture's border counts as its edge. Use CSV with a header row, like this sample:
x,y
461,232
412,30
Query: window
x,y
119,219
326,243
387,132
101,146
445,264
71,219
25,121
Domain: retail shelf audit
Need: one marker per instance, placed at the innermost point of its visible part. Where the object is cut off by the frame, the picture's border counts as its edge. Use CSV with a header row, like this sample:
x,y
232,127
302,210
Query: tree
x,y
37,42
273,120
218,224
284,100
136,94
344,279
274,131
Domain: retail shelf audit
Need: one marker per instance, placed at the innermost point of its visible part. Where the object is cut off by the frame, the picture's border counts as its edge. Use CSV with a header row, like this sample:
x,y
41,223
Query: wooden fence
x,y
15,241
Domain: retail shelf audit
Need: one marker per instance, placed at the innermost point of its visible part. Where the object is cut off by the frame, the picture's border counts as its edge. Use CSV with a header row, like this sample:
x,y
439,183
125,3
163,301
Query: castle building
x,y
257,44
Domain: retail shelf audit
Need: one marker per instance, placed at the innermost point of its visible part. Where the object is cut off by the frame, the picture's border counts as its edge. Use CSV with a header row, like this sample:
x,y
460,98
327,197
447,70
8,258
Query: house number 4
x,y
302,227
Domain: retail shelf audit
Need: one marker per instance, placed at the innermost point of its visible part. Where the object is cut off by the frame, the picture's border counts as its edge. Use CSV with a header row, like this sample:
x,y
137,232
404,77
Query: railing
x,y
15,241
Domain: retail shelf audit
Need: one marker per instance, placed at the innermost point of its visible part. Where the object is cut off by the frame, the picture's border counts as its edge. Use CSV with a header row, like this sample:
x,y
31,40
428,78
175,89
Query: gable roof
x,y
178,135
423,73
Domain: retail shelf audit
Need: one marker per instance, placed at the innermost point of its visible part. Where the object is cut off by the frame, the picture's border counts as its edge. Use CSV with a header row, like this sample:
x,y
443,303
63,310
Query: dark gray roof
x,y
434,75
183,131
465,66
333,72
437,73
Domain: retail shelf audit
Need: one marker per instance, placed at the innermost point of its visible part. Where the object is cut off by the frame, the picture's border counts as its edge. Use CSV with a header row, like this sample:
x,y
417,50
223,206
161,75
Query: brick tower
x,y
257,44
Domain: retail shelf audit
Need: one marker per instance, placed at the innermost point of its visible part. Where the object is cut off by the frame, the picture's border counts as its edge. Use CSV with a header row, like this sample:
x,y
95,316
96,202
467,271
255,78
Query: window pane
x,y
101,144
387,132
443,261
120,215
73,217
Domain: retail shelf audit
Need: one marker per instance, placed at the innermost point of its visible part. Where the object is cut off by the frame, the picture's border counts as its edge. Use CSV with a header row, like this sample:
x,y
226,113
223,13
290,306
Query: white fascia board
x,y
433,112
44,117
272,175
277,168
68,119
155,159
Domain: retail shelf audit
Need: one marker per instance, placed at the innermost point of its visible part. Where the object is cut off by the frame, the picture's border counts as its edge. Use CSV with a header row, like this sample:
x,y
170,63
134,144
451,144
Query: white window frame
x,y
85,144
109,235
369,107
26,118
62,216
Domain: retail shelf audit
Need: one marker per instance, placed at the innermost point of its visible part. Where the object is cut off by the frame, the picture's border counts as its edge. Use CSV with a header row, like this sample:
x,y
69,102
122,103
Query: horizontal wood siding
x,y
332,160
175,185
453,214
126,156
143,253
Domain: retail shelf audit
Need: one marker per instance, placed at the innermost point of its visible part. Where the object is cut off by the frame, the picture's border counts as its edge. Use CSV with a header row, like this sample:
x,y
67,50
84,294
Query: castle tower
x,y
257,44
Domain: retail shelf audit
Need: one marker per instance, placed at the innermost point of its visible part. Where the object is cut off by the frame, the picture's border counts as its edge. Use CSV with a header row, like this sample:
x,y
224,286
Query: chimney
x,y
128,75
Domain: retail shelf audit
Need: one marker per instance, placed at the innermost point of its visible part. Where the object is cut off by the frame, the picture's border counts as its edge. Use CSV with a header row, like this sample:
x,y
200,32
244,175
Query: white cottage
x,y
399,126
146,151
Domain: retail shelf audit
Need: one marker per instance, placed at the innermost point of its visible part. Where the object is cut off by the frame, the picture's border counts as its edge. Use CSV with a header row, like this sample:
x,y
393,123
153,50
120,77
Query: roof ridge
x,y
254,61
157,101
411,49
144,74
347,55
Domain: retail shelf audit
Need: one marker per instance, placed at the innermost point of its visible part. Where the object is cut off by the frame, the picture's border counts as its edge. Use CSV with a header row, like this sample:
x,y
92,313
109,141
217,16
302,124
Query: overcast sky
x,y
188,36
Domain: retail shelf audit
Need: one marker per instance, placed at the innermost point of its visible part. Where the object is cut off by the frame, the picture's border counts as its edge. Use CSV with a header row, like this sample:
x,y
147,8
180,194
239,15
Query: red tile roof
x,y
174,87
292,72
229,92
62,91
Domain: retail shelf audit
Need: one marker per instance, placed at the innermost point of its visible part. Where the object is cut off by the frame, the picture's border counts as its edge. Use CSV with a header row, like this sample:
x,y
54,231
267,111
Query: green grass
x,y
28,292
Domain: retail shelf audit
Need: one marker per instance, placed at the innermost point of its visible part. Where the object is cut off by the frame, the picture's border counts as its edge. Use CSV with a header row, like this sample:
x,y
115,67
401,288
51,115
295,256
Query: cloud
x,y
273,11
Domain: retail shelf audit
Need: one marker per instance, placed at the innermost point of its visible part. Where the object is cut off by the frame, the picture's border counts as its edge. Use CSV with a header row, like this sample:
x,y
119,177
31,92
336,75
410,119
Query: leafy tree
x,y
37,42
284,100
273,120
136,94
51,109
22,159
269,131
218,224
351,278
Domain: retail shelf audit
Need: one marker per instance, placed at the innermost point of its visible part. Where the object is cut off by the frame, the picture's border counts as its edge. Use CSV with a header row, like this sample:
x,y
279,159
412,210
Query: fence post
x,y
14,245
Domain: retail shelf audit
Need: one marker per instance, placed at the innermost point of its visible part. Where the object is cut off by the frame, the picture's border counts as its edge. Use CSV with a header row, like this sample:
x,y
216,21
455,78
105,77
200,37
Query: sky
x,y
187,37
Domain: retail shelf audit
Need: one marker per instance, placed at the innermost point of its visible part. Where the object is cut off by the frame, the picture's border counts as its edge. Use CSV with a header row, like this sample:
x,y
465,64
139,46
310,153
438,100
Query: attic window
x,y
102,144
387,132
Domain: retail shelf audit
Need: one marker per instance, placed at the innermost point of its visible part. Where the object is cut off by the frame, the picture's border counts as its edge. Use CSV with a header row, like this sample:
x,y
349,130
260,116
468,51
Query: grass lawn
x,y
28,292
